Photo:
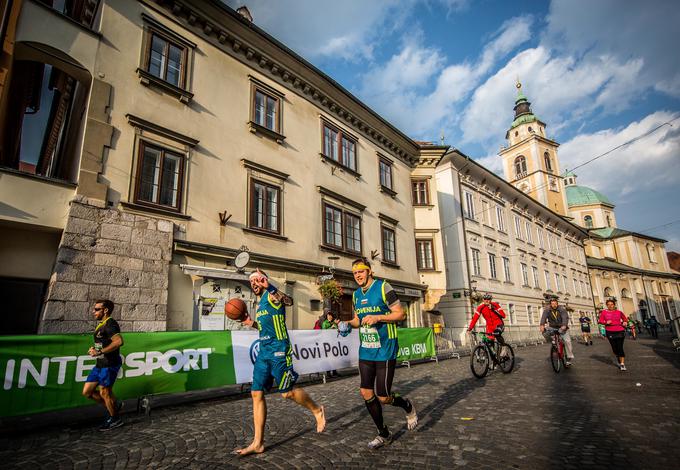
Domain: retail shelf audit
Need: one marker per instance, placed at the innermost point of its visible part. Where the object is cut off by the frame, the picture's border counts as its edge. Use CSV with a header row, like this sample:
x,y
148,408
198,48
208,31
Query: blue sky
x,y
599,73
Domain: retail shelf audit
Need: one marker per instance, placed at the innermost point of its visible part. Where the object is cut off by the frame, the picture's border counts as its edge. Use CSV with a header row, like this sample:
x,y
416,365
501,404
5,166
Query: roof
x,y
611,233
613,265
583,195
523,119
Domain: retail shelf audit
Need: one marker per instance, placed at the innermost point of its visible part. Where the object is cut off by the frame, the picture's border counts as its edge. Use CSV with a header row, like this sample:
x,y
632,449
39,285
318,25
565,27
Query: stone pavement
x,y
590,416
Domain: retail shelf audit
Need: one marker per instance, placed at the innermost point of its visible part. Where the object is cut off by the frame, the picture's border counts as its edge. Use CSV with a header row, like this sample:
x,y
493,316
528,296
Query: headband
x,y
255,274
360,267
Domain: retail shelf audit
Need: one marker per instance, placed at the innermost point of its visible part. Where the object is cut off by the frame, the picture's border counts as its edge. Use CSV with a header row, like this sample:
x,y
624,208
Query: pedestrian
x,y
274,363
653,327
377,310
630,327
585,329
614,322
106,349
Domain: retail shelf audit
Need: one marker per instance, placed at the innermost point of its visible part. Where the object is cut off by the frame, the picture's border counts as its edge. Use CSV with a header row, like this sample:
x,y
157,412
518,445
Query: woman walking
x,y
614,322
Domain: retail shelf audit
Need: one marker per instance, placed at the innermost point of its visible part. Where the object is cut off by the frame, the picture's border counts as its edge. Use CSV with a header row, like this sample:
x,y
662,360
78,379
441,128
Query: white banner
x,y
313,351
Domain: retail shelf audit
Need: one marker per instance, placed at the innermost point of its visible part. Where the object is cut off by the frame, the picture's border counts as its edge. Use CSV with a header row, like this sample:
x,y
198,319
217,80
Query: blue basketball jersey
x,y
271,321
377,342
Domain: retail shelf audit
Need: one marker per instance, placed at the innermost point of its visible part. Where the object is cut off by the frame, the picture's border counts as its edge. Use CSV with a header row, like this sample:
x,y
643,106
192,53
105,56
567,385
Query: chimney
x,y
244,12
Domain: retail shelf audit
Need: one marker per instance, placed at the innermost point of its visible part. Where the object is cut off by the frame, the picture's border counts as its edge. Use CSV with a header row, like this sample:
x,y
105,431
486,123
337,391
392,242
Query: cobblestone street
x,y
590,416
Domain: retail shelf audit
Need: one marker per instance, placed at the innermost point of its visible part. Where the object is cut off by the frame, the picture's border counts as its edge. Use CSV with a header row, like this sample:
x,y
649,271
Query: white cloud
x,y
648,163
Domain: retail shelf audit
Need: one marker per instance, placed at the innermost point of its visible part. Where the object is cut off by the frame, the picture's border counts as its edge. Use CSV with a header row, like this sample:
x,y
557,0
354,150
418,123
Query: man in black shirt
x,y
107,343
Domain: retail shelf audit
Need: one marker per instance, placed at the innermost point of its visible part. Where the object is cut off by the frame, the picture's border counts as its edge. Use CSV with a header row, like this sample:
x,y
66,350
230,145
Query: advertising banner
x,y
47,372
415,343
313,351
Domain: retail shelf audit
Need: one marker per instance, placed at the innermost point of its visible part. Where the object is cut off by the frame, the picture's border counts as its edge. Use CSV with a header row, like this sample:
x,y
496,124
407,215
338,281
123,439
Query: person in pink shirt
x,y
614,322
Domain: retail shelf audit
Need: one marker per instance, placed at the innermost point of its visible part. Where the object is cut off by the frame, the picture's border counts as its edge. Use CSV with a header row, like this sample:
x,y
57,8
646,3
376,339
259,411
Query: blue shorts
x,y
270,370
104,376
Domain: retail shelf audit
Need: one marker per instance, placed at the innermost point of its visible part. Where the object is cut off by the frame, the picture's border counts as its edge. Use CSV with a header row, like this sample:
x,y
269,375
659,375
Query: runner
x,y
274,361
99,383
585,329
376,311
493,316
557,317
614,322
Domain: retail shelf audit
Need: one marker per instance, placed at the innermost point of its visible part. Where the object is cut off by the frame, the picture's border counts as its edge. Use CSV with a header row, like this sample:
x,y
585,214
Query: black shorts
x,y
585,329
377,376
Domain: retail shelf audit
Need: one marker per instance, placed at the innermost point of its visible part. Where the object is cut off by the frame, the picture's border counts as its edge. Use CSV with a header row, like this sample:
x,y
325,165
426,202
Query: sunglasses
x,y
98,309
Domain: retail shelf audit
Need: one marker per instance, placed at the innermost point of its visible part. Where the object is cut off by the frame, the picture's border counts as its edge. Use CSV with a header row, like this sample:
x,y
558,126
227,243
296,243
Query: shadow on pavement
x,y
447,398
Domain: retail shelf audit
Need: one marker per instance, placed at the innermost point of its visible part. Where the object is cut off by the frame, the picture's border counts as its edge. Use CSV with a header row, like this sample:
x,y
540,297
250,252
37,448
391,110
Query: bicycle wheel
x,y
479,362
506,358
555,359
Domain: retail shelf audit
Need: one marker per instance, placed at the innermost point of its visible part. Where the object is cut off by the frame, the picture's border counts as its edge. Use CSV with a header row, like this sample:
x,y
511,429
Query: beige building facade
x,y
184,136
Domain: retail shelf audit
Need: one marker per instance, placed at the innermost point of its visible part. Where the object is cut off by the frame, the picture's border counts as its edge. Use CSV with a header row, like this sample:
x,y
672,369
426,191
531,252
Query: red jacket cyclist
x,y
493,315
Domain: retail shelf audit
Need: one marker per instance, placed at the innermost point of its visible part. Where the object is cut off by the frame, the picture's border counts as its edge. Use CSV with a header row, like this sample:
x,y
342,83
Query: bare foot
x,y
251,449
320,419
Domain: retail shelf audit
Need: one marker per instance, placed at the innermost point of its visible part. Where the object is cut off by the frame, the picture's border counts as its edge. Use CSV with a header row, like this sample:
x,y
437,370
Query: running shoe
x,y
567,363
111,423
623,367
380,441
412,417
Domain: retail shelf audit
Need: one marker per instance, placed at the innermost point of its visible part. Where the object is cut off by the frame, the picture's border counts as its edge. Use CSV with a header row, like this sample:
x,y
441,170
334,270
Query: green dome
x,y
582,195
523,119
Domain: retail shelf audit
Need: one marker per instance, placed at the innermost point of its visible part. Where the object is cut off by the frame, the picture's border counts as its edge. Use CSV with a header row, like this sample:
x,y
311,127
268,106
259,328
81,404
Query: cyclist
x,y
493,316
585,329
556,316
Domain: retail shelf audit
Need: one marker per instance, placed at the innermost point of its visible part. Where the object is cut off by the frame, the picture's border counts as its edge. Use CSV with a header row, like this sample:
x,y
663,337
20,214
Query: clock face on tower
x,y
241,260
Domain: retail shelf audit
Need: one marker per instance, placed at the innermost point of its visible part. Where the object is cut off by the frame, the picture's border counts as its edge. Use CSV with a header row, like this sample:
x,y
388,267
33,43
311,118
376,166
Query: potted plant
x,y
331,291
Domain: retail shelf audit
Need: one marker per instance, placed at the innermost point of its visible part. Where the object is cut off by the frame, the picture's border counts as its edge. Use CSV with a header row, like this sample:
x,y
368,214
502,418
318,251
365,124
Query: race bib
x,y
369,337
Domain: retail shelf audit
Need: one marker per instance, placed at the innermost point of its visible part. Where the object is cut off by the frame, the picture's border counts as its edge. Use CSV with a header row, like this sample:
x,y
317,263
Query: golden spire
x,y
518,85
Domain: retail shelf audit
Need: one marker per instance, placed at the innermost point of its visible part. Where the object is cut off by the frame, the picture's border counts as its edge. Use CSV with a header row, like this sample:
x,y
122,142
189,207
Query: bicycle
x,y
557,354
488,351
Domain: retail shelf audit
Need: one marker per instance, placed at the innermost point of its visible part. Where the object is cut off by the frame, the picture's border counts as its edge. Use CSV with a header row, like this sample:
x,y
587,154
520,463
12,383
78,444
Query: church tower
x,y
530,161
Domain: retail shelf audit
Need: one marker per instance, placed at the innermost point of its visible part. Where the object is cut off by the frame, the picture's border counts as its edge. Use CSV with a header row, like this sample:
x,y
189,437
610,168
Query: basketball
x,y
236,309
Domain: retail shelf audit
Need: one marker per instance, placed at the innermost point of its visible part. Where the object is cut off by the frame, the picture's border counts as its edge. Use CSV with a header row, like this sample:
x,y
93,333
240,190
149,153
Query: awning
x,y
217,273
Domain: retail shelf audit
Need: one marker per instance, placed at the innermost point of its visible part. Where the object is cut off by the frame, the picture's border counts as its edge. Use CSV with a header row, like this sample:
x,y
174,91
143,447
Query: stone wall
x,y
107,253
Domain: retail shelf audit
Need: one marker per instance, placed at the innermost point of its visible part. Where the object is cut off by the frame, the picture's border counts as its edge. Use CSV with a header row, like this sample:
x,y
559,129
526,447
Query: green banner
x,y
415,343
47,372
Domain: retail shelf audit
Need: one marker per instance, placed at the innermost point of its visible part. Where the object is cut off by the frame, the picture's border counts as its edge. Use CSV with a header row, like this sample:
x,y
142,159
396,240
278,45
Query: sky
x,y
598,73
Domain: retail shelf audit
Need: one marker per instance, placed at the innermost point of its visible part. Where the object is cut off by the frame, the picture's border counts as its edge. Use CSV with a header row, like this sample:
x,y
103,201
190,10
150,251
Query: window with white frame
x,y
500,218
492,266
541,241
506,269
565,283
511,313
469,205
547,280
424,253
535,272
530,237
476,266
485,212
525,274
518,227
557,283
576,291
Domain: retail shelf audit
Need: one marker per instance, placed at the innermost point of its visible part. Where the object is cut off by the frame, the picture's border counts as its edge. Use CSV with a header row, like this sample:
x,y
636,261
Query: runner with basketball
x,y
274,363
376,312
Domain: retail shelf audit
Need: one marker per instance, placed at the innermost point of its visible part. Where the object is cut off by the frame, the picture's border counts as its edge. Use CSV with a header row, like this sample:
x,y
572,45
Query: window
x,y
42,120
588,221
609,221
576,290
420,193
492,266
530,237
534,270
520,167
530,314
159,177
485,212
425,256
547,280
265,207
500,218
506,269
385,174
340,147
565,283
548,162
342,229
525,274
511,313
625,294
166,59
82,12
389,245
518,227
584,289
469,205
607,292
541,240
558,287
266,110
476,266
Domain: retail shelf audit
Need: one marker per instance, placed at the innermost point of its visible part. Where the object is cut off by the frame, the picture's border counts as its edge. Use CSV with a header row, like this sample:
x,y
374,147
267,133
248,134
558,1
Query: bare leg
x,y
90,391
259,418
109,400
301,397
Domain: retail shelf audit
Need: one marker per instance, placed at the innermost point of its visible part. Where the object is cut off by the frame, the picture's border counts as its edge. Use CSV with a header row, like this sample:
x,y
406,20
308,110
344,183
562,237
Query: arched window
x,y
609,221
548,162
588,220
625,294
520,166
607,292
531,130
651,253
